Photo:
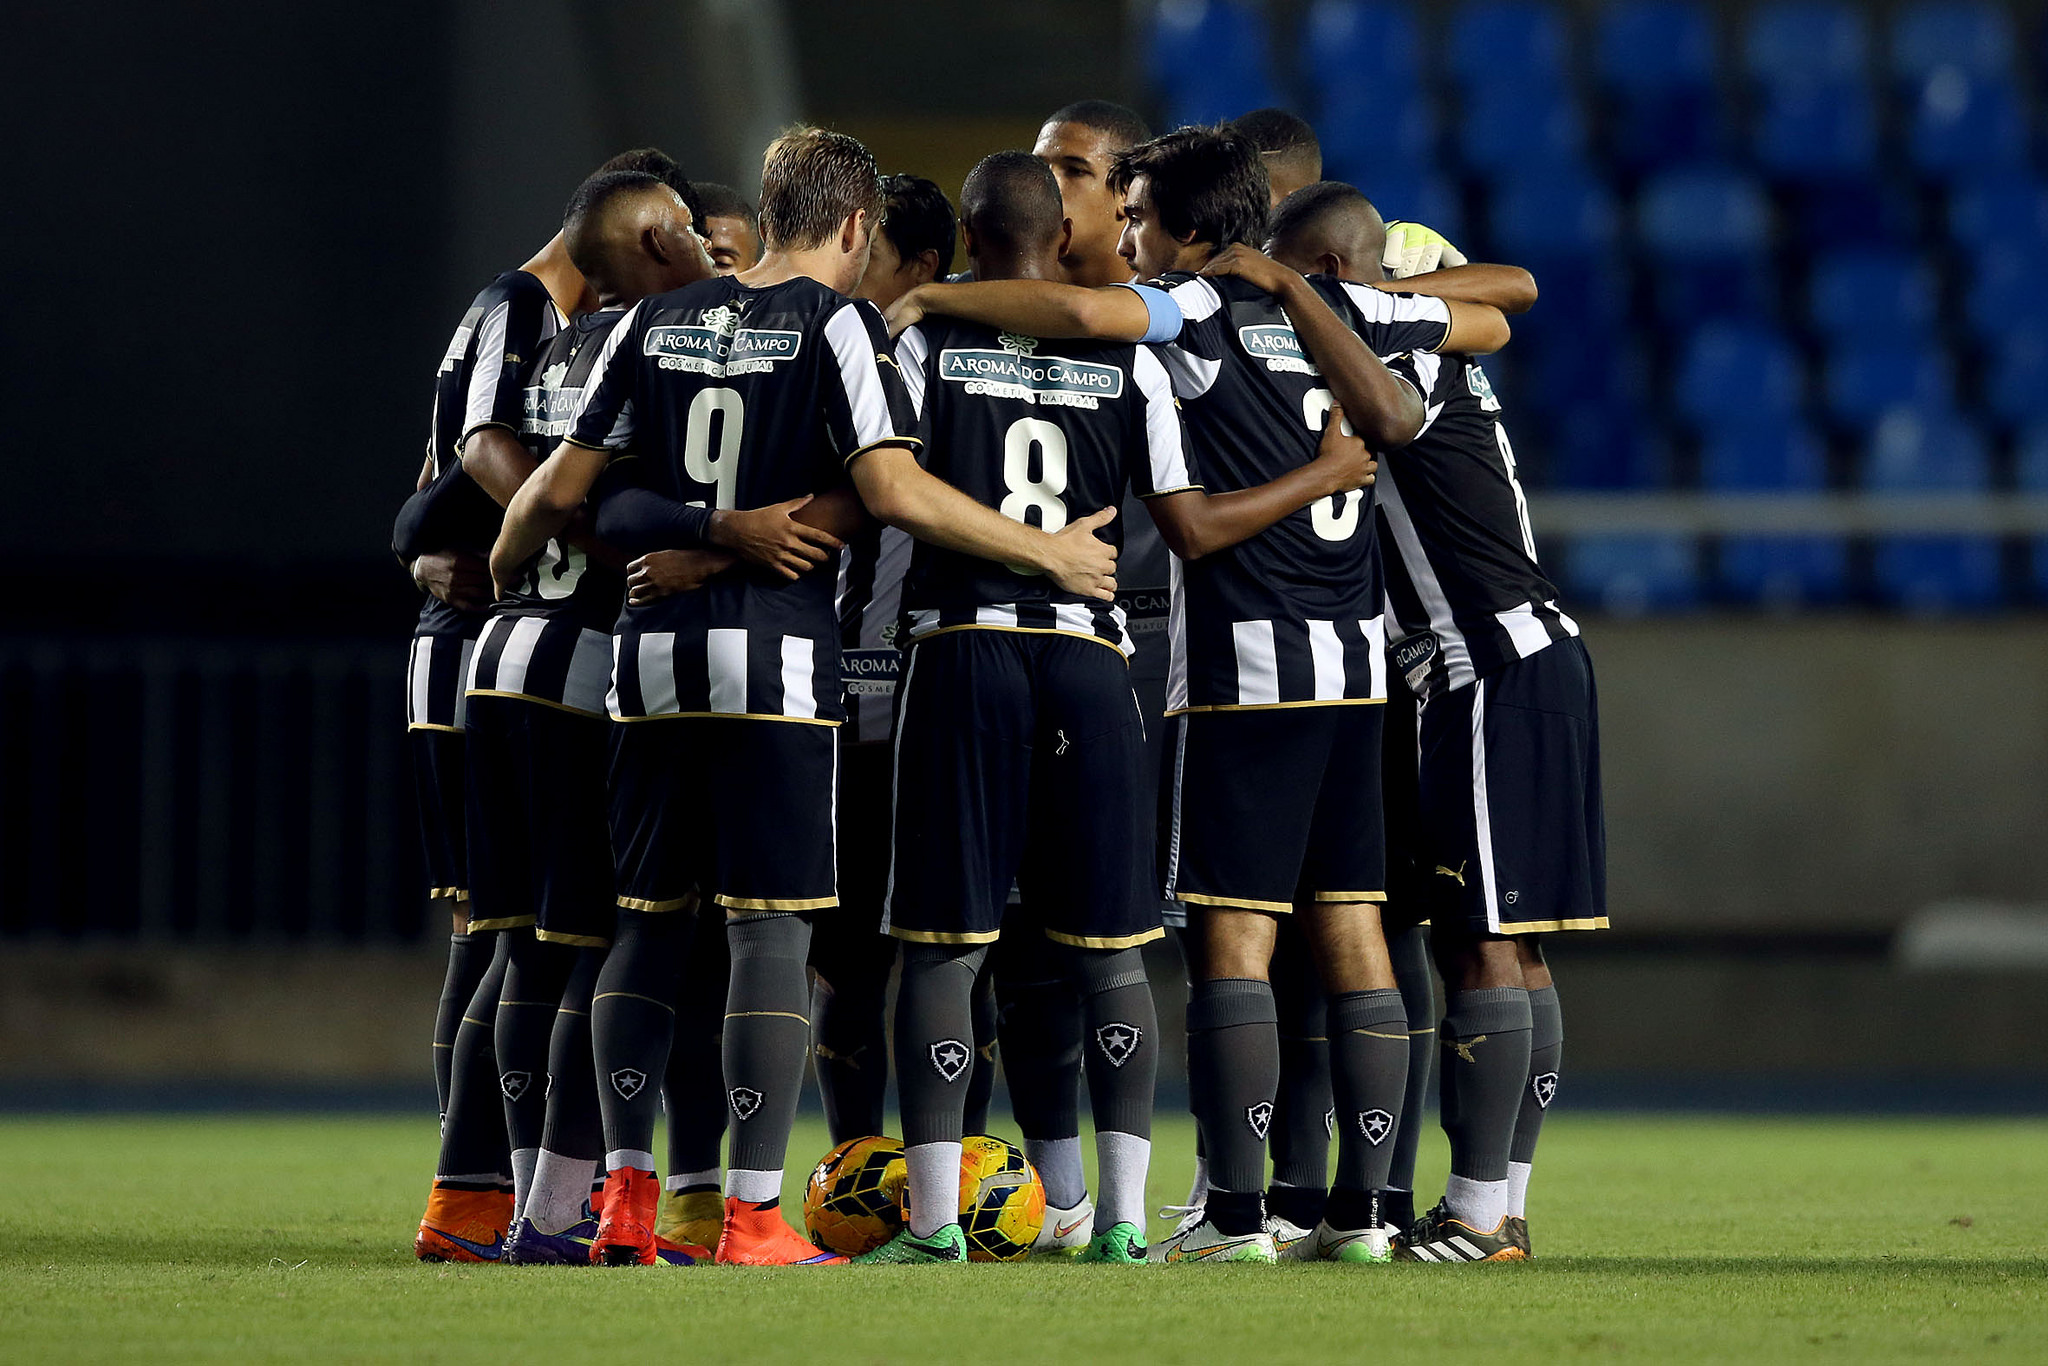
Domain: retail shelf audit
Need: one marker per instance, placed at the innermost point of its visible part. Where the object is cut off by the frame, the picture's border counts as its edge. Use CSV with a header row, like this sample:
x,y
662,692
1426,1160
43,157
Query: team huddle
x,y
796,611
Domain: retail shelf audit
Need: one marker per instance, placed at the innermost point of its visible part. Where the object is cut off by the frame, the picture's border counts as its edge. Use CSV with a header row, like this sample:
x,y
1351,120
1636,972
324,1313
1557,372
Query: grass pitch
x,y
1667,1239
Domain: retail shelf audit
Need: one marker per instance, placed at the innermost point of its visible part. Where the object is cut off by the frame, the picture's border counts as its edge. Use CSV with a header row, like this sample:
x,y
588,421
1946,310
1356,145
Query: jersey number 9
x,y
722,468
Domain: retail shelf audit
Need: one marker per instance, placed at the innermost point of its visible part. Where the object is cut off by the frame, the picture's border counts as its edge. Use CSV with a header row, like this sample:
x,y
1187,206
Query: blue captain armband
x,y
1163,313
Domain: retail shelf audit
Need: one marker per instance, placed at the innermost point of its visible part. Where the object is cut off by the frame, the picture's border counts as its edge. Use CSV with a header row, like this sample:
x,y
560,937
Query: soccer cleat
x,y
1119,1243
463,1225
529,1245
949,1244
1184,1217
695,1219
625,1228
667,1253
1437,1237
1326,1244
1204,1242
756,1235
1287,1235
1065,1231
1518,1229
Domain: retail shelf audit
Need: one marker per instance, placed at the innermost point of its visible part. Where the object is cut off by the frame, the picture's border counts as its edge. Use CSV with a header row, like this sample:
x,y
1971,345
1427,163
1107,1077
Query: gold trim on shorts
x,y
633,903
1349,896
506,922
934,634
1238,903
1595,922
769,903
941,937
432,725
581,941
729,716
438,893
1279,706
1126,941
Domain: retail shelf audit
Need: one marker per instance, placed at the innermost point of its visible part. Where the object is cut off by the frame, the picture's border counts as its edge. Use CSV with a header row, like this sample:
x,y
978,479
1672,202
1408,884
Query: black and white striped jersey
x,y
871,572
741,397
562,583
1292,616
1467,593
1043,432
478,385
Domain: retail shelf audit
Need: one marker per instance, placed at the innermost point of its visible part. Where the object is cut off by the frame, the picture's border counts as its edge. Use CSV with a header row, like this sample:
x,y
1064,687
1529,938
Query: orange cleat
x,y
756,1235
625,1226
463,1225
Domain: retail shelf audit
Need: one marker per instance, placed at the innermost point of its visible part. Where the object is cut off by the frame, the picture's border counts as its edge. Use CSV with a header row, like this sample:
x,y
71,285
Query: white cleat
x,y
1184,1217
1204,1242
1326,1244
1287,1236
1066,1232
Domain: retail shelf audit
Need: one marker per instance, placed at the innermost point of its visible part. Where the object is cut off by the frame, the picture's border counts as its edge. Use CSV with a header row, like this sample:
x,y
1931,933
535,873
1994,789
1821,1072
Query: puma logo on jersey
x,y
1062,747
1463,1047
1458,872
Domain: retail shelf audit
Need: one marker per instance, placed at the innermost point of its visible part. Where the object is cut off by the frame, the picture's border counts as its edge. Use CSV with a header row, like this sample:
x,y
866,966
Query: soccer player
x,y
1016,707
1288,146
1509,808
751,390
913,244
1278,658
730,228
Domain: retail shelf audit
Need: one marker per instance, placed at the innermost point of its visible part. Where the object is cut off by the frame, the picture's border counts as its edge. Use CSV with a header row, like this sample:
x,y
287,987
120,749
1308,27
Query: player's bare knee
x,y
1237,943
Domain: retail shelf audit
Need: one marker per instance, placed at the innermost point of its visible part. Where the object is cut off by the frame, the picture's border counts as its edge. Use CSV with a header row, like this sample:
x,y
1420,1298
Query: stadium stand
x,y
1788,247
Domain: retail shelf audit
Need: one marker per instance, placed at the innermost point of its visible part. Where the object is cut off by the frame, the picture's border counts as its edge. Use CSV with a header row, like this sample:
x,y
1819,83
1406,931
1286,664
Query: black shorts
x,y
435,670
1268,808
735,810
540,847
1018,757
1408,876
1513,834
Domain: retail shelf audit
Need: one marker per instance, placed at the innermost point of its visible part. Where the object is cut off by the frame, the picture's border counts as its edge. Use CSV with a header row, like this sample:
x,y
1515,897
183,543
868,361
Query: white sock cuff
x,y
754,1187
934,1168
638,1160
1480,1204
1058,1161
1518,1189
676,1181
1121,1161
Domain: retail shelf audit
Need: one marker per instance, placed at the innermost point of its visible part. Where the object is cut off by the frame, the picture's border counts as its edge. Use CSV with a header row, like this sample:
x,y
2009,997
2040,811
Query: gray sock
x,y
1546,1053
1368,1074
1485,1052
935,1039
767,1036
1410,952
1302,1114
1120,1029
1233,1071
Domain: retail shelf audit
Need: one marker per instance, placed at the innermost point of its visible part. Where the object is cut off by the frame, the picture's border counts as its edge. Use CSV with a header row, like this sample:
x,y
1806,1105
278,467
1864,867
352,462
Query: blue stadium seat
x,y
1655,61
1927,449
1360,137
1361,48
2016,374
1208,59
2030,475
1632,574
1872,294
2009,210
1496,42
1706,234
1544,216
1827,215
1974,37
1816,132
2005,287
1746,456
1417,194
1737,367
1512,127
1605,445
1866,380
1966,127
1805,42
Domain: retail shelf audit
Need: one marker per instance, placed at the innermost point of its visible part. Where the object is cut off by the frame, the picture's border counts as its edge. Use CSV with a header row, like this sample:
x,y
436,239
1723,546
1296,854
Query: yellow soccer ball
x,y
853,1202
1002,1201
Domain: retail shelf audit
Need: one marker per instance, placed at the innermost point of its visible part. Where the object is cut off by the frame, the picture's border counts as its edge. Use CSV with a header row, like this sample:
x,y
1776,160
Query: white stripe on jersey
x,y
1375,631
488,369
725,655
1428,365
590,673
911,351
797,663
622,426
1176,637
656,662
1258,665
517,655
1482,819
1455,652
419,681
1166,452
1327,652
1382,306
1003,615
859,371
1525,632
1197,299
1075,617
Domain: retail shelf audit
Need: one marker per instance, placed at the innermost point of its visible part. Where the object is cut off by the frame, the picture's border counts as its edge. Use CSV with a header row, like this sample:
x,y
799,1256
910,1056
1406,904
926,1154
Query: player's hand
x,y
906,312
772,538
1081,562
1342,458
664,573
1252,266
426,475
1413,249
457,578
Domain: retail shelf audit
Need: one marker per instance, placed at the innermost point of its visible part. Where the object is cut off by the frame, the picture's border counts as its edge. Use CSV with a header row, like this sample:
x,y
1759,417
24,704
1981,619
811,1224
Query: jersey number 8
x,y
1042,493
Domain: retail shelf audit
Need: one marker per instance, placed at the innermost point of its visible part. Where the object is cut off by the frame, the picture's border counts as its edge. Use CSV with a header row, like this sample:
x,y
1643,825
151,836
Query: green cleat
x,y
949,1244
1117,1243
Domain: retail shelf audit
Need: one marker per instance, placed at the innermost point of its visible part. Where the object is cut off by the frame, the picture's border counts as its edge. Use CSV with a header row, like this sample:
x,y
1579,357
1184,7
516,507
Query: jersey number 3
x,y
1334,518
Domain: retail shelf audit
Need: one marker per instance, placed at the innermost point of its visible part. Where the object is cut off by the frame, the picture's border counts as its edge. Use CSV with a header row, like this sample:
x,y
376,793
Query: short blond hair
x,y
811,180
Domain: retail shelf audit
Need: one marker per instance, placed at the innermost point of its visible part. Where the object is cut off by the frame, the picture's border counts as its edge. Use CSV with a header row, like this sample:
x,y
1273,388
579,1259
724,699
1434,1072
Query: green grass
x,y
1669,1239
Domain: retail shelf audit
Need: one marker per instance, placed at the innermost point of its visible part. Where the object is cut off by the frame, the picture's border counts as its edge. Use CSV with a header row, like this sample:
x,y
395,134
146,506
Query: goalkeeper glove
x,y
1413,249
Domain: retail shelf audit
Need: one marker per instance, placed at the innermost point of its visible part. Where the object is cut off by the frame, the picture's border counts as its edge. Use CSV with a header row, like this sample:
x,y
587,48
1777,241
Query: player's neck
x,y
565,284
990,265
827,265
1094,271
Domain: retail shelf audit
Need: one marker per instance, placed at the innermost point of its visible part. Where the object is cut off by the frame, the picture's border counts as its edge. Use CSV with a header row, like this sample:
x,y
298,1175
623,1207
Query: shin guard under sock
x,y
1302,1107
1233,1071
767,1035
573,1128
693,1089
1546,1057
531,998
632,1024
1121,1026
934,1054
1369,1074
1039,1022
469,955
1484,1051
1410,953
473,1145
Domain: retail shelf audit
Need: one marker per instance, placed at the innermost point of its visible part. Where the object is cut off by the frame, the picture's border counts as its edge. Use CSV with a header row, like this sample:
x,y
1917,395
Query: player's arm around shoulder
x,y
1044,308
543,506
